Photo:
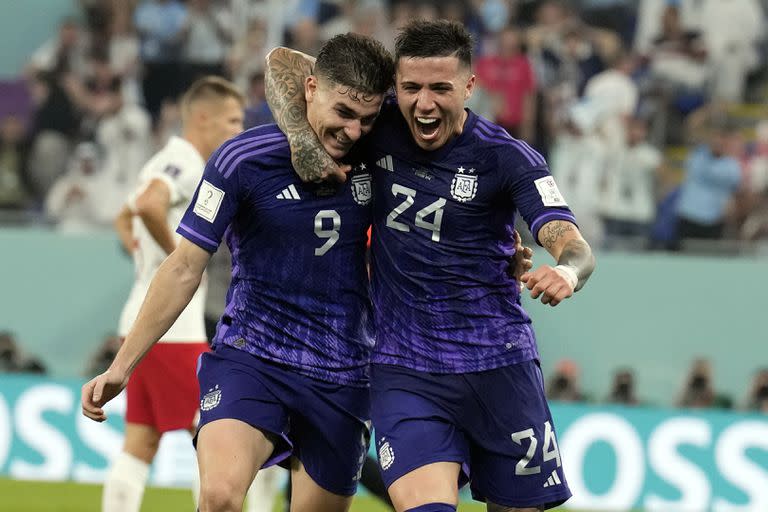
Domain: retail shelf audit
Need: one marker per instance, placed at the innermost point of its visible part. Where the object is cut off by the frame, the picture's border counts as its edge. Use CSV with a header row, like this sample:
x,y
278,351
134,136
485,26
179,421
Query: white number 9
x,y
332,234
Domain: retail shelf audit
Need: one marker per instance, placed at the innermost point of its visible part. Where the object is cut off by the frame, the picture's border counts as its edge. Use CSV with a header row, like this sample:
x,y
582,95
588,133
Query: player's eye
x,y
344,113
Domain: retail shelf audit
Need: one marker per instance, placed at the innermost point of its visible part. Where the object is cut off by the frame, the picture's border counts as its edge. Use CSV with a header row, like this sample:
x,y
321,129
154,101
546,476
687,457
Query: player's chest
x,y
285,203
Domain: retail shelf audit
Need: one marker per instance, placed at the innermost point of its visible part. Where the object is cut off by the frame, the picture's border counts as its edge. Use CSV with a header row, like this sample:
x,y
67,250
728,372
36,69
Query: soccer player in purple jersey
x,y
457,391
287,380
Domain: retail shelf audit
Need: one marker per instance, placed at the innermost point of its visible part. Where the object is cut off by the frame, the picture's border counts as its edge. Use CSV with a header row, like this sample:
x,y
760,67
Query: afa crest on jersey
x,y
464,185
361,189
211,399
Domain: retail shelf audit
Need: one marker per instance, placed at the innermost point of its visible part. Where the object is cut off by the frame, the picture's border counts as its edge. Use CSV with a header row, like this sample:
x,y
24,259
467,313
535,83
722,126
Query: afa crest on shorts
x,y
211,399
361,188
464,185
386,456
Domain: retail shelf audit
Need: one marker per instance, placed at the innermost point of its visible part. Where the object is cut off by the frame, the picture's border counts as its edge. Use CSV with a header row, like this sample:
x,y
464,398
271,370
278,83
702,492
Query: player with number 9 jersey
x,y
298,295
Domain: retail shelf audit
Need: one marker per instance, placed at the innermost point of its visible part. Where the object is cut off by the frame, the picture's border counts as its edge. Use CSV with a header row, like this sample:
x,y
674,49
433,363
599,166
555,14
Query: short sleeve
x,y
213,206
532,189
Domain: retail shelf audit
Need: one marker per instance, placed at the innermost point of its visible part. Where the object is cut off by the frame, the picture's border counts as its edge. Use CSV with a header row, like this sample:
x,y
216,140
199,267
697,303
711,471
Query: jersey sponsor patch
x,y
208,202
550,194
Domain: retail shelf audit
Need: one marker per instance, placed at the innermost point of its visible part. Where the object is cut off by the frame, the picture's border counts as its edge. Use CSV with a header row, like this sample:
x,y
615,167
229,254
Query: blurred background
x,y
652,115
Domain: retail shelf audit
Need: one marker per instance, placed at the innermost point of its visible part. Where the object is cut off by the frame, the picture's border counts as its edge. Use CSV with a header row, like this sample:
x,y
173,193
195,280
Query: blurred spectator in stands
x,y
678,75
206,36
304,36
678,56
257,112
160,26
124,50
755,225
699,391
55,122
100,361
614,15
13,360
629,201
623,388
564,383
507,74
124,135
62,54
733,44
79,201
13,155
713,174
248,53
757,397
613,97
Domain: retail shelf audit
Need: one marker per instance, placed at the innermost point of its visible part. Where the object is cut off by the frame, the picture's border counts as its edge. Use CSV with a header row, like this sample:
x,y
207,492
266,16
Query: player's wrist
x,y
569,272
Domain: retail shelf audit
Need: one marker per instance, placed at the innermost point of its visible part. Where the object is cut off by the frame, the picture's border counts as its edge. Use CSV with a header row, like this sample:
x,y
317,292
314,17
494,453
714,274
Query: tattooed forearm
x,y
286,72
578,255
563,241
553,233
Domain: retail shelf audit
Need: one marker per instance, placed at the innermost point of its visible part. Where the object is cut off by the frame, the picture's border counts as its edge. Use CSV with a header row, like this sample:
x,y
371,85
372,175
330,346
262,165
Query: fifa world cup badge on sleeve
x,y
464,185
550,194
211,399
208,202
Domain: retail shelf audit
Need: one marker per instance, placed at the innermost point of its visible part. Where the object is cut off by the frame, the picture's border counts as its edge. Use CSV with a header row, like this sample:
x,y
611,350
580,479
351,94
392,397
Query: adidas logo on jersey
x,y
289,193
553,479
386,163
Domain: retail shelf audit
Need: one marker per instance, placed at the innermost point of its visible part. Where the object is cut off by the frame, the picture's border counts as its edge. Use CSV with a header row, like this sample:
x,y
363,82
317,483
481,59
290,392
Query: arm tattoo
x,y
575,252
284,80
551,232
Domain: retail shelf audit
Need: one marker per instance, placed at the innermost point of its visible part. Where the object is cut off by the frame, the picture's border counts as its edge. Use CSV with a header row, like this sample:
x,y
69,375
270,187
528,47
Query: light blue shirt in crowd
x,y
159,24
710,182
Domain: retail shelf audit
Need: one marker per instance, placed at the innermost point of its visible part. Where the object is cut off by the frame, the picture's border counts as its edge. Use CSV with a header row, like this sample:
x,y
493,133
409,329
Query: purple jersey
x,y
299,291
442,238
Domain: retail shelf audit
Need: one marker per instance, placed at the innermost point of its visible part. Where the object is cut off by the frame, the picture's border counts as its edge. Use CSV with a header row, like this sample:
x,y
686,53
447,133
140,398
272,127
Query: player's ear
x,y
310,88
469,87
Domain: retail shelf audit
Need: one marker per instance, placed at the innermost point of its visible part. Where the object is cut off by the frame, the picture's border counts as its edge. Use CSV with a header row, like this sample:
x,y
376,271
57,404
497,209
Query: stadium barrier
x,y
616,458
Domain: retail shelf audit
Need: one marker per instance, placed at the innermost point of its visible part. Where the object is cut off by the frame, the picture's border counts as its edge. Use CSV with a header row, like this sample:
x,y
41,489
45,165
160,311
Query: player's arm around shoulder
x,y
173,286
284,83
575,263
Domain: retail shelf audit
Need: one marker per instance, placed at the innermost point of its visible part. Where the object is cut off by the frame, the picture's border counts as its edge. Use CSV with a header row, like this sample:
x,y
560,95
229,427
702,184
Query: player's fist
x,y
551,284
315,165
100,390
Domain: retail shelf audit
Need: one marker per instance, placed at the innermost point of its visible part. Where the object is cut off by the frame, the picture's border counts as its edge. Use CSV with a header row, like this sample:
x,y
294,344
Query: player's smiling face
x,y
431,92
339,115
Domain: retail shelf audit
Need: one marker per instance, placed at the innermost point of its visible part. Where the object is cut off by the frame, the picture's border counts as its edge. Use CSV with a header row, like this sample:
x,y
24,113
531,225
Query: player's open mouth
x,y
427,126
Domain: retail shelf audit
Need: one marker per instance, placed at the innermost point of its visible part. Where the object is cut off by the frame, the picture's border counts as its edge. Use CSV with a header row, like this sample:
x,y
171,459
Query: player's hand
x,y
522,261
100,390
549,283
313,164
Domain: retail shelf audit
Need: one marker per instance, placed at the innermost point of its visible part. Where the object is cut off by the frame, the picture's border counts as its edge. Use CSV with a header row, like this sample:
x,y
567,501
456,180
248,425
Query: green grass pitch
x,y
24,496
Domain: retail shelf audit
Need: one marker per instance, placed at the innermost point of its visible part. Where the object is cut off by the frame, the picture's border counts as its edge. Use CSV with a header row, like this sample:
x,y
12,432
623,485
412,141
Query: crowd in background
x,y
645,109
632,101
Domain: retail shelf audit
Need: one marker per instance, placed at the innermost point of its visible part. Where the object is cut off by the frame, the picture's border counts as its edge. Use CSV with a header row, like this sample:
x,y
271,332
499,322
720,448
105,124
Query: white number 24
x,y
436,208
550,449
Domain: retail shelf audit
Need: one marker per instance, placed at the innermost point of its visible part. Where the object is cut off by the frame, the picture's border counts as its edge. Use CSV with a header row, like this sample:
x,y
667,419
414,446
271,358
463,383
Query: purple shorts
x,y
495,423
325,425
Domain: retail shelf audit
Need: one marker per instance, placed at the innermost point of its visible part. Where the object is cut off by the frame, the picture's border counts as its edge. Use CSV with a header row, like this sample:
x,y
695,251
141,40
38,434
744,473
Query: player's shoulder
x,y
264,144
492,139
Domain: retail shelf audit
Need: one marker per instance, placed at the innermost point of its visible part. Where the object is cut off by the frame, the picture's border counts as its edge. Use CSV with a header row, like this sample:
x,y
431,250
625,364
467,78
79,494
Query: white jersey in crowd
x,y
180,166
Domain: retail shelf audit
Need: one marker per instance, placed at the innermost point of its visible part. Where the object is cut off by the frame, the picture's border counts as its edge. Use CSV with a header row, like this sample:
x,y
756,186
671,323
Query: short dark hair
x,y
440,38
356,61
